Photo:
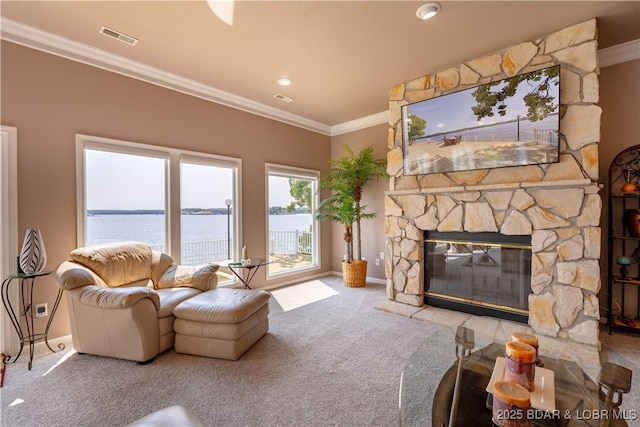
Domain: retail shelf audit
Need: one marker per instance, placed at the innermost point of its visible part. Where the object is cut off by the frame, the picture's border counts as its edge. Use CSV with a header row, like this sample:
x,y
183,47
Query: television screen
x,y
510,122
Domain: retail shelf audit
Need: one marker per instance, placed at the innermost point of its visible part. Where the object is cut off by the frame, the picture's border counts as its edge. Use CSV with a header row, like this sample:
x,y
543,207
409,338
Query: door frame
x,y
9,222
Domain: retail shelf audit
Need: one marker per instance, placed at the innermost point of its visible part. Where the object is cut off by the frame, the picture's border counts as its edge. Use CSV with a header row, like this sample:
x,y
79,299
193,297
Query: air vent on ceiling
x,y
283,98
118,35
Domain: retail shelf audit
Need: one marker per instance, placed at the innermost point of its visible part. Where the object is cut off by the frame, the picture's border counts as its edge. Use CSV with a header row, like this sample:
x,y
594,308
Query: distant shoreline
x,y
187,211
124,212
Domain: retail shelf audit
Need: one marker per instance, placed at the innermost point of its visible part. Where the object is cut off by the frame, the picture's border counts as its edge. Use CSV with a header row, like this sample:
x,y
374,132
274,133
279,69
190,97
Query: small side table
x,y
29,336
251,268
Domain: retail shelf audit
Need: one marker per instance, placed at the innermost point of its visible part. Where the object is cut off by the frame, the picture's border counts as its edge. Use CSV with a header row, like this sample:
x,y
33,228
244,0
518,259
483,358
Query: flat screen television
x,y
510,122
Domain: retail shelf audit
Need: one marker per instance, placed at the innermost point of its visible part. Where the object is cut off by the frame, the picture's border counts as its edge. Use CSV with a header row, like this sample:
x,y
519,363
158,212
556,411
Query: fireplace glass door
x,y
480,273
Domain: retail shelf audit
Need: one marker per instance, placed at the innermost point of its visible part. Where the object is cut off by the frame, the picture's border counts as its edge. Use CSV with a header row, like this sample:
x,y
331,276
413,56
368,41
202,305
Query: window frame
x,y
9,343
173,159
293,172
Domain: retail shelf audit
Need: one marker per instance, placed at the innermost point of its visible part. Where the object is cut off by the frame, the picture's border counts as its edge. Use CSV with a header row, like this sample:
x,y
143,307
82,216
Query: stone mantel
x,y
557,204
506,186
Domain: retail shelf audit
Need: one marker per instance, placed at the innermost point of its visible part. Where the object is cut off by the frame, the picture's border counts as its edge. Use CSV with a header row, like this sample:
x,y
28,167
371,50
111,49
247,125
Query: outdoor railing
x,y
280,242
290,242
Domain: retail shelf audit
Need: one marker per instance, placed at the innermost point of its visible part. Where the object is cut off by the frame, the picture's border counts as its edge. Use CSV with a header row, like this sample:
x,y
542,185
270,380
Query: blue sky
x,y
116,181
453,111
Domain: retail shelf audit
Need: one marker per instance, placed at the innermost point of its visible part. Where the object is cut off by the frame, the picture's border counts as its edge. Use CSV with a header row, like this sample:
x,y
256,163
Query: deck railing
x,y
290,242
280,242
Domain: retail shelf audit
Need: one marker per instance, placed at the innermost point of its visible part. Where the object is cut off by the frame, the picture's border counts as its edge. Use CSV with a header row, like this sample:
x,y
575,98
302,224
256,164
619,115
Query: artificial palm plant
x,y
341,209
346,179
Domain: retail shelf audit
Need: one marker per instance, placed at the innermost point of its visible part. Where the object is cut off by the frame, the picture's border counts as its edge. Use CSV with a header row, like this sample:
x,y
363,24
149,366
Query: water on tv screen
x,y
510,122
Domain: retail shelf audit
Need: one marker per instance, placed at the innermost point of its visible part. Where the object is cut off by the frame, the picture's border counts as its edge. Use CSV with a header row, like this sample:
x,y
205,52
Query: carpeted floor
x,y
336,361
329,359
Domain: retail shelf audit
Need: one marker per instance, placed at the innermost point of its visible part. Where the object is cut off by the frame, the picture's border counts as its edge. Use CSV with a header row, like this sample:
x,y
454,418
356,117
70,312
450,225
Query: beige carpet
x,y
329,359
332,360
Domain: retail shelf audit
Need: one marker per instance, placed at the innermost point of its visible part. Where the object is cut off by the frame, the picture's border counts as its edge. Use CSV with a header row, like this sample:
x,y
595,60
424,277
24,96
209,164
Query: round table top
x,y
252,263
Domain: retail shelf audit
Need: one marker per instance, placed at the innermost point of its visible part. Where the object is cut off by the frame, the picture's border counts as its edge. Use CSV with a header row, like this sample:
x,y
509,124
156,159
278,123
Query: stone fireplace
x,y
556,205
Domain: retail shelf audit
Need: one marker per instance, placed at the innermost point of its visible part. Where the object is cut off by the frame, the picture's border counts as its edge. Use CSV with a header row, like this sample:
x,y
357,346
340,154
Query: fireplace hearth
x,y
487,274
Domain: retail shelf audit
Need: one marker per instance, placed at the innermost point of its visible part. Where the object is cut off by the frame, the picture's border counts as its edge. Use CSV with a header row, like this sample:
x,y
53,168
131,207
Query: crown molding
x,y
624,52
35,38
361,123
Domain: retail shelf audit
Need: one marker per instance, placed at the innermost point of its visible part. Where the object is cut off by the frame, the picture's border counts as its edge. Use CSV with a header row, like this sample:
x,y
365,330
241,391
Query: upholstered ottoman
x,y
221,323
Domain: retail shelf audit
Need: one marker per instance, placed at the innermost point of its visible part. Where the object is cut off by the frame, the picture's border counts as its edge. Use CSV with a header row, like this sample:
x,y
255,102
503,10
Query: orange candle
x,y
511,402
527,338
520,364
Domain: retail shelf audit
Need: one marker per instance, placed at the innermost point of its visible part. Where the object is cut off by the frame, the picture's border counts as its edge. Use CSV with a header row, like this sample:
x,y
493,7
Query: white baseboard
x,y
41,347
368,279
377,281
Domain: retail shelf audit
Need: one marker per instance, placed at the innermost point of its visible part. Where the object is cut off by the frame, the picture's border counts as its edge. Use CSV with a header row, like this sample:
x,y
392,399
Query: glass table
x,y
428,386
251,268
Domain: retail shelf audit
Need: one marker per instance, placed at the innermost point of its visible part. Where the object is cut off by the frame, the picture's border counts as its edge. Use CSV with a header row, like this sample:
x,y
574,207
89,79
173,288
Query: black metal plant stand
x,y
28,335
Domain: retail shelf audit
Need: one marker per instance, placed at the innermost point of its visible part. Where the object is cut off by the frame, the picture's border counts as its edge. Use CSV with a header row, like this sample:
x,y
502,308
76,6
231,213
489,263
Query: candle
x,y
245,252
527,338
520,364
511,403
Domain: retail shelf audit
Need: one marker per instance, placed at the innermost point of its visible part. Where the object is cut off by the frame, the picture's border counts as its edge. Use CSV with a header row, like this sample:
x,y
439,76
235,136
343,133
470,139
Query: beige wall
x,y
620,128
620,102
372,196
50,99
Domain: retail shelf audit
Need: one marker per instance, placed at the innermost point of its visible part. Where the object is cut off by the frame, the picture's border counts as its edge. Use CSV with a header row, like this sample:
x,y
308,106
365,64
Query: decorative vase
x,y
632,221
629,187
33,256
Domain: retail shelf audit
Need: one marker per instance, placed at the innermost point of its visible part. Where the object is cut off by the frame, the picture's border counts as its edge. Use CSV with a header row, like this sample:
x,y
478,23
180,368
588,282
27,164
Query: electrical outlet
x,y
41,310
377,261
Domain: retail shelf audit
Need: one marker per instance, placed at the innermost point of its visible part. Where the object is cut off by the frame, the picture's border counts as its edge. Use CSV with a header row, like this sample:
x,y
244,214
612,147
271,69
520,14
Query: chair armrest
x,y
115,298
71,275
201,277
159,264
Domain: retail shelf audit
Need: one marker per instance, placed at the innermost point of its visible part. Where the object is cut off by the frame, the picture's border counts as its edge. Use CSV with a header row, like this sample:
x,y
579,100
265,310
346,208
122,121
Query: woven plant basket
x,y
354,274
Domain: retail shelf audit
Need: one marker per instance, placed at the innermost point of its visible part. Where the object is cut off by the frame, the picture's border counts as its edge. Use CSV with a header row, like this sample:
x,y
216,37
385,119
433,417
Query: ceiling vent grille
x,y
283,98
118,35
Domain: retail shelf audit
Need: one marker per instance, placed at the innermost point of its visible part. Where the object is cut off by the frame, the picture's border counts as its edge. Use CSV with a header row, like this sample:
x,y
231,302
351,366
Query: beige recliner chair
x,y
121,298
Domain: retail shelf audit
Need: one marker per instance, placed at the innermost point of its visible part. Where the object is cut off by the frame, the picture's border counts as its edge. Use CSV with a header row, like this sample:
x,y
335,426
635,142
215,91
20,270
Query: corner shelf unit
x,y
623,292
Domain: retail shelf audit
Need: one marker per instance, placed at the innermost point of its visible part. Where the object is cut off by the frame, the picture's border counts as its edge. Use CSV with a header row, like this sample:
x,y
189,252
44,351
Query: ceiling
x,y
343,56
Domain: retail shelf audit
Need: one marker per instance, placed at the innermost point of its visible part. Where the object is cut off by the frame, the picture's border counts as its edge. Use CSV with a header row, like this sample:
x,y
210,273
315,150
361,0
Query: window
x,y
292,233
125,197
182,203
207,211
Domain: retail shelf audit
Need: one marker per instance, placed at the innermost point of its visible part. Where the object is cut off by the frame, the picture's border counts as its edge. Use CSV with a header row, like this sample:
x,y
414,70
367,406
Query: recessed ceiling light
x,y
284,81
428,10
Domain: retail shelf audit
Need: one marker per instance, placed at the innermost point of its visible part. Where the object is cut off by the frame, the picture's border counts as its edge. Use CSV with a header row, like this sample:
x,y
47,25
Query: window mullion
x,y
172,186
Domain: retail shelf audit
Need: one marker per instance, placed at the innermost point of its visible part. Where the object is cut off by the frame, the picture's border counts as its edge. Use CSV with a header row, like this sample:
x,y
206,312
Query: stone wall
x,y
557,204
